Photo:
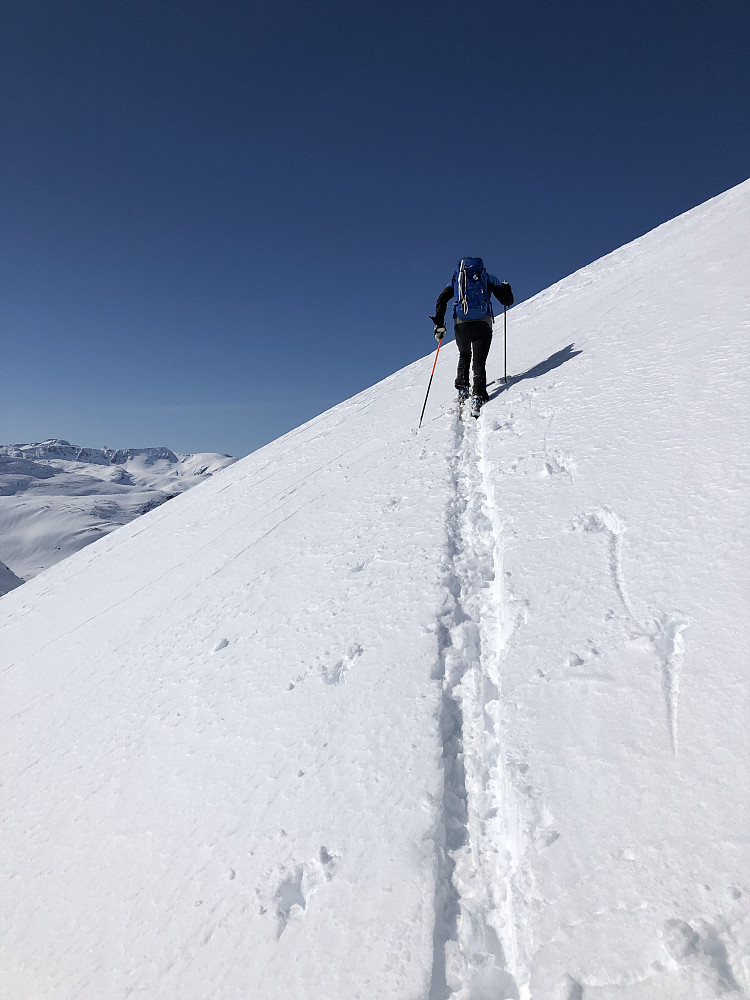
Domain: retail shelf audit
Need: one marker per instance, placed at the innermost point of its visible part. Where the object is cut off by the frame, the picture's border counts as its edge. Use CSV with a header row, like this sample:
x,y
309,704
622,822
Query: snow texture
x,y
56,497
459,714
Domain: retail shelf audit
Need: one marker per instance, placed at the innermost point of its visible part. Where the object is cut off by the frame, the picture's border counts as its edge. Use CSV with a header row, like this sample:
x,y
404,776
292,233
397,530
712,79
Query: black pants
x,y
473,341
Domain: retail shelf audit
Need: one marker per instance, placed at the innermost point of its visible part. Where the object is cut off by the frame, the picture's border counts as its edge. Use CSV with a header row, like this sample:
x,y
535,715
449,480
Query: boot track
x,y
478,847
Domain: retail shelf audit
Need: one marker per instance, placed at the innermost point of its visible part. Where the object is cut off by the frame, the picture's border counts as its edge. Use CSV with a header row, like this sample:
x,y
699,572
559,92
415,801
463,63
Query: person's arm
x,y
500,289
440,306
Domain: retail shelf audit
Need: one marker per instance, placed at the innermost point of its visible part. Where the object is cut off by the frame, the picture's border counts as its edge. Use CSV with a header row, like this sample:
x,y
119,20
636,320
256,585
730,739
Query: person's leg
x,y
463,343
480,344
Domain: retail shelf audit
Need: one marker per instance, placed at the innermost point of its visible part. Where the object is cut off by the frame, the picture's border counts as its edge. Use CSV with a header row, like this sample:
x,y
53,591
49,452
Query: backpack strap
x,y
462,285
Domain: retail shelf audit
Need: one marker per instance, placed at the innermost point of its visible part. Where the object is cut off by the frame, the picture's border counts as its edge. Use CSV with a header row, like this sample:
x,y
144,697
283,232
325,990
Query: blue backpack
x,y
472,296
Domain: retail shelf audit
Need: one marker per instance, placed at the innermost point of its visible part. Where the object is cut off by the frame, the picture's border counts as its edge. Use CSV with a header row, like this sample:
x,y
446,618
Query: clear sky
x,y
222,217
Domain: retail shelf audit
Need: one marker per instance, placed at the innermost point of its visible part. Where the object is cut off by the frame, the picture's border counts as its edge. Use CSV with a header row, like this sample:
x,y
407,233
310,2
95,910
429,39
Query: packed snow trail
x,y
475,941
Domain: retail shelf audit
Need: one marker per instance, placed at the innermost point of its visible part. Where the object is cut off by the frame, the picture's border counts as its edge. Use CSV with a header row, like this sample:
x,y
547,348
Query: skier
x,y
471,288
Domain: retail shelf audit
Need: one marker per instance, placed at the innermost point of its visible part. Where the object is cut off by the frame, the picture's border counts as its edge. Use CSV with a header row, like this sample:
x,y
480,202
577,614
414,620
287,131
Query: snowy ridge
x,y
57,497
450,715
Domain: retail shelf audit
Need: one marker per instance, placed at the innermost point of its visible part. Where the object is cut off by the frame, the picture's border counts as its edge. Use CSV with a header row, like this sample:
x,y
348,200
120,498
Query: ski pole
x,y
505,339
440,344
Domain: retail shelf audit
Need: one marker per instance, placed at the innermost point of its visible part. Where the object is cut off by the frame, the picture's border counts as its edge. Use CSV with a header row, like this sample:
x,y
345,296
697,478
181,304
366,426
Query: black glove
x,y
505,294
439,329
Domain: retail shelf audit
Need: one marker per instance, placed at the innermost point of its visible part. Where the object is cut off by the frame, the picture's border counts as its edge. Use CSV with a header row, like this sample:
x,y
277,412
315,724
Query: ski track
x,y
478,845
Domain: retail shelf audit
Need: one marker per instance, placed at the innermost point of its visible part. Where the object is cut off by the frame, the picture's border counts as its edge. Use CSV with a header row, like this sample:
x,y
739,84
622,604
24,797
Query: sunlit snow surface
x,y
377,714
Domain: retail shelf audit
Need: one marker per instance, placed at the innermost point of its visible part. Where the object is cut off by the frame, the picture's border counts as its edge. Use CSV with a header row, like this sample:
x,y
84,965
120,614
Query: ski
x,y
463,395
476,406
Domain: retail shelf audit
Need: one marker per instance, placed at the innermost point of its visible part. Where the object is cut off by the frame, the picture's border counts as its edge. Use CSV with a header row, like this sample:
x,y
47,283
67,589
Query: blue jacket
x,y
500,289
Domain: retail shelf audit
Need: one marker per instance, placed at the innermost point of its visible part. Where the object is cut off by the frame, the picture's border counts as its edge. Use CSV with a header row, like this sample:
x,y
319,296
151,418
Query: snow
x,y
56,497
457,713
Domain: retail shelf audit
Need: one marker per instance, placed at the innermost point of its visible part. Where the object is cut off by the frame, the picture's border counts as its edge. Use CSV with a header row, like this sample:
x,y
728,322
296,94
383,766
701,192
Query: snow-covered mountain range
x,y
56,497
377,713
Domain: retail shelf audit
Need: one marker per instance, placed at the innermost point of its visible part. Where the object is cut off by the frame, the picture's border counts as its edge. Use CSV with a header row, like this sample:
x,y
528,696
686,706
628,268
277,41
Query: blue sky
x,y
222,217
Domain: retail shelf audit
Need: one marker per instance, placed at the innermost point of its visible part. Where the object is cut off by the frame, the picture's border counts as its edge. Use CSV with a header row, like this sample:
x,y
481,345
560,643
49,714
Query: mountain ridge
x,y
39,526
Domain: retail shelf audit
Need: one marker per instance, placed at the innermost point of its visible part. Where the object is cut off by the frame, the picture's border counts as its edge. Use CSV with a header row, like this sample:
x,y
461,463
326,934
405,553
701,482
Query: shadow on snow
x,y
543,368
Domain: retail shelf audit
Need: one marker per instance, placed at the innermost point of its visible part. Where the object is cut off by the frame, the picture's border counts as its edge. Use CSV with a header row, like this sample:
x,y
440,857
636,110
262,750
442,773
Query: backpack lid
x,y
470,264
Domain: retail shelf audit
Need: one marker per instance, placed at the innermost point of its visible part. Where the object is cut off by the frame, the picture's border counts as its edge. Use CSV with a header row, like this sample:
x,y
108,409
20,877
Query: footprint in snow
x,y
328,863
293,893
569,989
559,462
510,426
330,671
573,660
288,897
703,952
546,838
334,673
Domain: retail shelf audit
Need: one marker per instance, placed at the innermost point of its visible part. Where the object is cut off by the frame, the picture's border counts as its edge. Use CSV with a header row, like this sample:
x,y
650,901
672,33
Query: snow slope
x,y
56,497
460,713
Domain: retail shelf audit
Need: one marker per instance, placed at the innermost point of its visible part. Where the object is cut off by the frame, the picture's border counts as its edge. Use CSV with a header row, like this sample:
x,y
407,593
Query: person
x,y
471,289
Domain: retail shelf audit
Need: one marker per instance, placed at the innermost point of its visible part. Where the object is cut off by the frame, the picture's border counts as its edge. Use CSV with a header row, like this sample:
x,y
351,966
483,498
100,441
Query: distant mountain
x,y
56,497
8,579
